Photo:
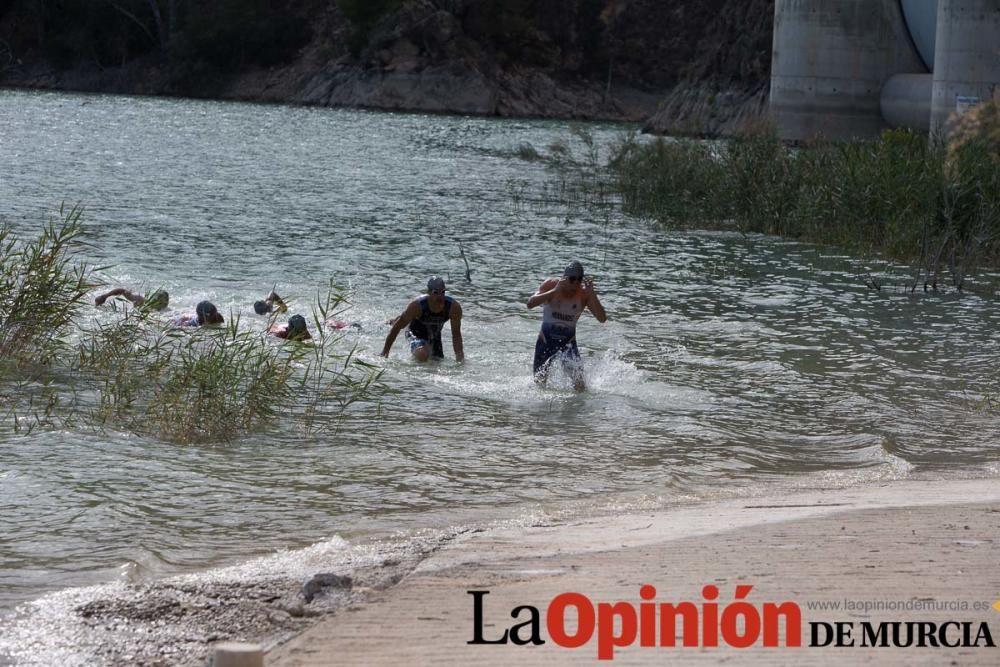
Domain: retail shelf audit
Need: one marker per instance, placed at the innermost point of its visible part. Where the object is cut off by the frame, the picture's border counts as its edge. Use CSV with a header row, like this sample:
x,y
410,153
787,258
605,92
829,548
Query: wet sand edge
x,y
906,544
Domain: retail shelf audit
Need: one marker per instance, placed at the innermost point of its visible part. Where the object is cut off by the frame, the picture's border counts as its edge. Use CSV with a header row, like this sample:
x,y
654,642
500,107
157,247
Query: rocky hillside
x,y
682,65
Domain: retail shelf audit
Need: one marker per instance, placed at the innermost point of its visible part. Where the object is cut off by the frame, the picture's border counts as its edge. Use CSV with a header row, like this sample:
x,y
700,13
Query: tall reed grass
x,y
900,196
43,285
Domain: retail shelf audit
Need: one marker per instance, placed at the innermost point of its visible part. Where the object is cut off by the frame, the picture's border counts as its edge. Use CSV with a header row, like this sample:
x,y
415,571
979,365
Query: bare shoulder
x,y
548,284
411,311
456,308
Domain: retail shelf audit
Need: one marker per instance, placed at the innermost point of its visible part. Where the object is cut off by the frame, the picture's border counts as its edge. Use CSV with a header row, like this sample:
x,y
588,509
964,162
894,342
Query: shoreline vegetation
x,y
929,204
63,369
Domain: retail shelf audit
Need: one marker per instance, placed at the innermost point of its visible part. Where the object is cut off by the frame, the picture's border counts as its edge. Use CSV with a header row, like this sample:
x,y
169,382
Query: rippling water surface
x,y
728,364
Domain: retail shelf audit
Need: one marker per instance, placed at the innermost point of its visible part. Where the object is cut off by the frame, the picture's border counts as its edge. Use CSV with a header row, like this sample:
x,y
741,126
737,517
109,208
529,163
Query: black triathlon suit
x,y
428,326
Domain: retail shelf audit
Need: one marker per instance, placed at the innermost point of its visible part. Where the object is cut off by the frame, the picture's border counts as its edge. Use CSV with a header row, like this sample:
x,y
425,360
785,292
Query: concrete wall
x,y
831,59
906,101
966,57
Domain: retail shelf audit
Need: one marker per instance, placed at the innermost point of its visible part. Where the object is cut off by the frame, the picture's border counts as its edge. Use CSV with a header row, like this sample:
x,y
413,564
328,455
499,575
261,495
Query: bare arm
x,y
545,292
136,299
592,302
276,301
412,311
456,332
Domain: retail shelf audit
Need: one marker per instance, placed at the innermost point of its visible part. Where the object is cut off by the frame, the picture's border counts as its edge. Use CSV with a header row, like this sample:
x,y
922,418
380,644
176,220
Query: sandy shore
x,y
907,544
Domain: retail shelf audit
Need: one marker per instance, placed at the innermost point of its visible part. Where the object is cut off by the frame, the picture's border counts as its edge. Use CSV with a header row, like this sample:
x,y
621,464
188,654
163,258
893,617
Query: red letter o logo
x,y
555,619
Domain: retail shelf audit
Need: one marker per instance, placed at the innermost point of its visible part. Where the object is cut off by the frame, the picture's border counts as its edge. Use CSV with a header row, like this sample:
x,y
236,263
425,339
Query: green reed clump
x,y
42,287
966,228
332,381
31,403
900,195
873,195
212,386
671,181
756,184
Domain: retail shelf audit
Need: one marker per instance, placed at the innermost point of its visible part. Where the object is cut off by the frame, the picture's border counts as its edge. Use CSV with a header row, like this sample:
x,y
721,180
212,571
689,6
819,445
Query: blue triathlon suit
x,y
426,329
553,341
558,336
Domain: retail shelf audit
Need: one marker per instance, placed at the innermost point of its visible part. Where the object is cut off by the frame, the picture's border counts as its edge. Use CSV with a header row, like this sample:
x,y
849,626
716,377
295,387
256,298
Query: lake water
x,y
728,366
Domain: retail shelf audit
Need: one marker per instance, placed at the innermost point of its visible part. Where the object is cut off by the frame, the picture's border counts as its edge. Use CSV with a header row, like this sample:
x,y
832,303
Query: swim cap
x,y
574,270
205,310
435,283
262,307
158,300
297,328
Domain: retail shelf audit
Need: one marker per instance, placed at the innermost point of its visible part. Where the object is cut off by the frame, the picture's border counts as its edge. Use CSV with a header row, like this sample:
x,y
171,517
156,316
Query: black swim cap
x,y
204,310
574,270
262,307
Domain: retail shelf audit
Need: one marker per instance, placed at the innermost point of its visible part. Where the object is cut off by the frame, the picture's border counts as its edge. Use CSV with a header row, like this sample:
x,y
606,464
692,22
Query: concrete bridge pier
x,y
846,69
966,57
830,61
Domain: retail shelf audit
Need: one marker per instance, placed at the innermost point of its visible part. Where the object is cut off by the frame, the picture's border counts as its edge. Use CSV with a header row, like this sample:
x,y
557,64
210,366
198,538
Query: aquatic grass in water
x,y
671,181
900,196
332,381
199,385
581,183
42,287
212,386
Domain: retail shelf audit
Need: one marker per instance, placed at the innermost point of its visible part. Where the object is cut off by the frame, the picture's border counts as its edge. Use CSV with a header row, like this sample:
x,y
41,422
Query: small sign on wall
x,y
965,102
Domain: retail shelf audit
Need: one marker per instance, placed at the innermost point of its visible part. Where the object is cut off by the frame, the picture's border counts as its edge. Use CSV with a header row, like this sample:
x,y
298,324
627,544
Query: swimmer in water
x,y
564,301
158,300
295,329
205,314
338,325
426,316
271,303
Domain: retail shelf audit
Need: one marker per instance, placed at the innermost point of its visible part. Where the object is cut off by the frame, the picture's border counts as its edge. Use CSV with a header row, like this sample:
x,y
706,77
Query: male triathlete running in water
x,y
426,317
564,299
